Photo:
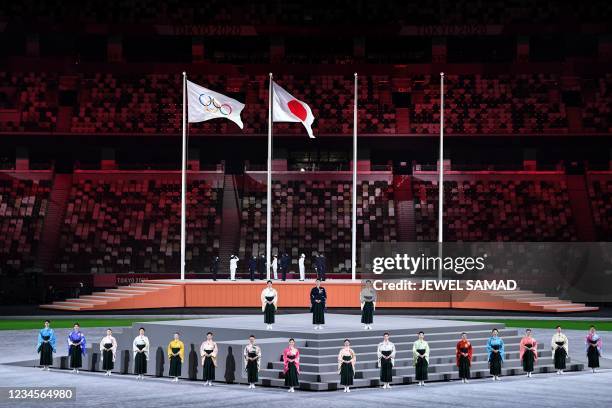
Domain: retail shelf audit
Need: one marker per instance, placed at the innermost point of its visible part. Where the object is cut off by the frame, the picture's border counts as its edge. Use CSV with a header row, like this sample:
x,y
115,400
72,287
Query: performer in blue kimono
x,y
495,350
46,346
76,348
318,297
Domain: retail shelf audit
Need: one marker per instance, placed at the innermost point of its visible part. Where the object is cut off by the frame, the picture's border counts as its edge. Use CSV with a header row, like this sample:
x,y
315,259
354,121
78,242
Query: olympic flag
x,y
286,108
205,104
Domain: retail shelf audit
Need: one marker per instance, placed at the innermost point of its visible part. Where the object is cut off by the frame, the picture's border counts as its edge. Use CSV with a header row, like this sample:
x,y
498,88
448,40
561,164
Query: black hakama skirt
x,y
367,314
107,358
346,371
208,368
269,312
140,364
528,360
495,364
291,376
76,359
175,364
386,368
593,356
560,357
420,369
46,354
251,369
464,367
318,313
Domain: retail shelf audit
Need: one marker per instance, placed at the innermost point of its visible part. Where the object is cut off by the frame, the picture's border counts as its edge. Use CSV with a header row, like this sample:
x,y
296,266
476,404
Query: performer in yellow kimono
x,y
420,354
176,355
208,353
560,349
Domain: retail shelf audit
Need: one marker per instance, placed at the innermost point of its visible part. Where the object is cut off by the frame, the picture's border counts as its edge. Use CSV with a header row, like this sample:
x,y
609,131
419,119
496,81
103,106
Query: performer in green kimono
x,y
420,354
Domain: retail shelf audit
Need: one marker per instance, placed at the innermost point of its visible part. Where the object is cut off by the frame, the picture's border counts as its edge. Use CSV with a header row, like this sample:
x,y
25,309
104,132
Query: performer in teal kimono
x,y
495,350
46,346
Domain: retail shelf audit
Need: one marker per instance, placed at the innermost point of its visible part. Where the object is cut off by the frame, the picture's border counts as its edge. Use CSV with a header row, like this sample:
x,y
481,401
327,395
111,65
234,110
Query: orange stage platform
x,y
194,293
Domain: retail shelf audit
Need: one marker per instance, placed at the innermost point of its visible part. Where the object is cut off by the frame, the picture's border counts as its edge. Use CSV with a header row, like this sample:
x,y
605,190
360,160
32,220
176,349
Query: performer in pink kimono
x,y
291,361
528,352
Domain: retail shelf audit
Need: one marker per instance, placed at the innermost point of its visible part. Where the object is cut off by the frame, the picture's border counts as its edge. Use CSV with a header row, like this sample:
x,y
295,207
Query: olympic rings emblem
x,y
211,105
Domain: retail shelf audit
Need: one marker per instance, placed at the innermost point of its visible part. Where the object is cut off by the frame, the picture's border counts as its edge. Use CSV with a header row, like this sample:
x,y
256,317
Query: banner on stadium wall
x,y
451,30
207,30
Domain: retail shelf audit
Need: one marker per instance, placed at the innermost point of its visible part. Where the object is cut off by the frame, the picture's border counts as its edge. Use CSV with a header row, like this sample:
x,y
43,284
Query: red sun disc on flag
x,y
297,109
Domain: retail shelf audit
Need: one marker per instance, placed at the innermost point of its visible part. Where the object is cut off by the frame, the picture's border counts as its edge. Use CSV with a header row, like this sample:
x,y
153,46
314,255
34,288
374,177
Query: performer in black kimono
x,y
318,297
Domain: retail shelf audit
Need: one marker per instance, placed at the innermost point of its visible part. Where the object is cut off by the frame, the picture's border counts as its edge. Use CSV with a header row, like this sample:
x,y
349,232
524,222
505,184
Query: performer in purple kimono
x,y
76,348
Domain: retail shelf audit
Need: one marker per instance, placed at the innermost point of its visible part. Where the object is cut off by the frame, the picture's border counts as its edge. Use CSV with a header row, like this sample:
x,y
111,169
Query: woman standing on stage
x,y
464,357
593,348
528,352
269,299
108,350
76,348
420,354
252,360
386,360
208,353
140,347
46,346
318,297
367,297
291,366
560,349
346,365
176,355
495,350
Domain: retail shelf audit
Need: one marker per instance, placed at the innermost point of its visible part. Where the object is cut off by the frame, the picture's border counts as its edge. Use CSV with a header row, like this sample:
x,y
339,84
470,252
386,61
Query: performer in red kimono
x,y
464,357
291,363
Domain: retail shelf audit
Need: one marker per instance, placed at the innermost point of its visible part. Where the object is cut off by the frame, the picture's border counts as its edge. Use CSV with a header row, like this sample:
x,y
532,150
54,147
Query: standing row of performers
x,y
280,267
347,358
318,299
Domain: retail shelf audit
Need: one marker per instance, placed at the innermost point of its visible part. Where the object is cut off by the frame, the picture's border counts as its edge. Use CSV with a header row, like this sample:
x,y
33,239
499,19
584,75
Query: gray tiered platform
x,y
319,348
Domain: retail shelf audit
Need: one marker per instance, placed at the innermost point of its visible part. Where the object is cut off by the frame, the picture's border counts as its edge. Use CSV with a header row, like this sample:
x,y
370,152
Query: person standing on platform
x,y
284,264
420,354
261,266
346,365
214,267
318,297
594,344
269,299
496,353
208,353
367,298
320,266
176,355
386,360
233,267
252,267
252,360
46,346
560,349
108,350
302,267
76,348
528,352
291,366
275,267
464,357
140,347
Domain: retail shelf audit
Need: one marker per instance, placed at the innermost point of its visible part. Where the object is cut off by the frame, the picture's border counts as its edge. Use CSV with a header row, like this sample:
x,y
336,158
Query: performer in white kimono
x,y
560,349
140,347
108,351
269,301
233,267
252,361
386,360
208,353
275,267
367,298
302,267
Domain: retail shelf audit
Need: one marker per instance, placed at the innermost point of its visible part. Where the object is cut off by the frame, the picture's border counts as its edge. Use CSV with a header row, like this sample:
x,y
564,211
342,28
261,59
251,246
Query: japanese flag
x,y
286,108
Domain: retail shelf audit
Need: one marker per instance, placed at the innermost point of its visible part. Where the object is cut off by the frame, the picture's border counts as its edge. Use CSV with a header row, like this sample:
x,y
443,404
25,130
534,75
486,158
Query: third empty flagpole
x,y
183,177
354,218
269,188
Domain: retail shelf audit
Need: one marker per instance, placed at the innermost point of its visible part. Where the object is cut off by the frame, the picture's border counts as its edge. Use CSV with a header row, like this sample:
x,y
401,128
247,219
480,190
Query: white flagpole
x,y
184,177
354,218
441,174
269,195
